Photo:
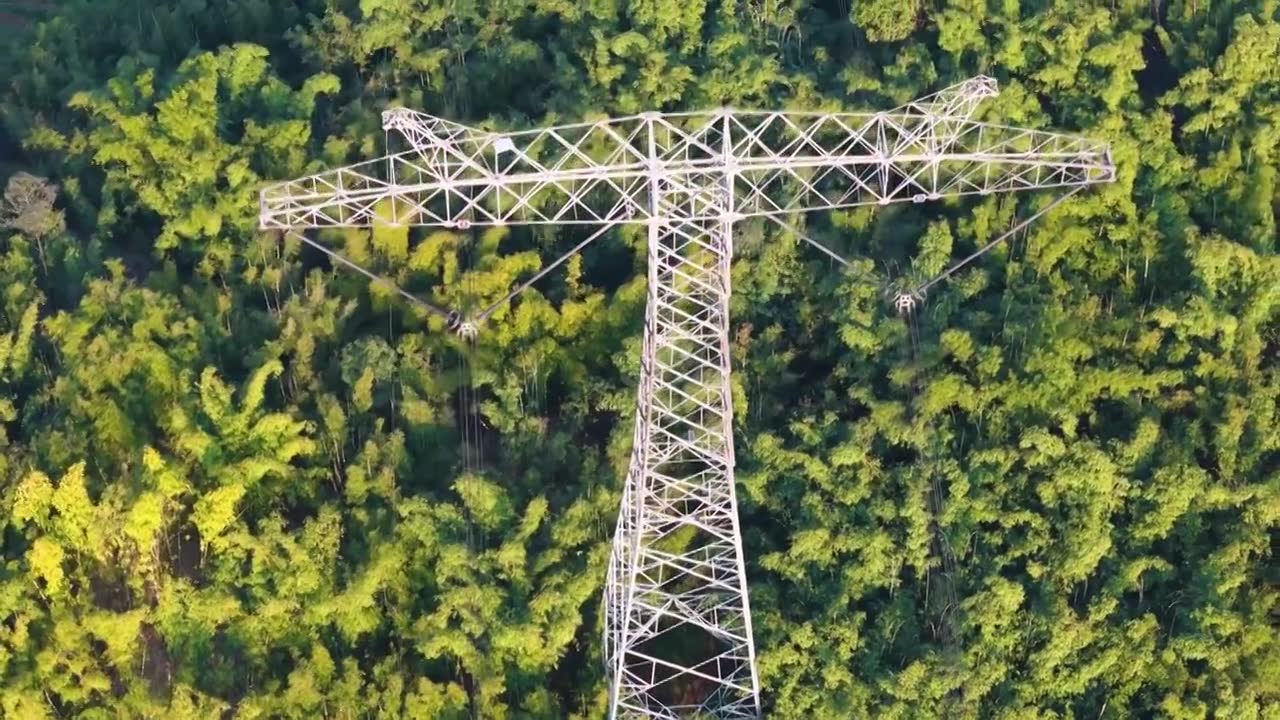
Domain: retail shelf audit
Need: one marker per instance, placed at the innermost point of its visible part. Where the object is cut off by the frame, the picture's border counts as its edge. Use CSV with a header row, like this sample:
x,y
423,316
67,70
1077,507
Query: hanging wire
x,y
462,415
391,337
913,331
466,384
469,342
920,291
912,327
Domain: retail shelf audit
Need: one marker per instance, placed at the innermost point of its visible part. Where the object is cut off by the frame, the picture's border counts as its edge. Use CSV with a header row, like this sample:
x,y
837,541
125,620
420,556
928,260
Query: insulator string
x,y
419,302
823,248
484,315
922,289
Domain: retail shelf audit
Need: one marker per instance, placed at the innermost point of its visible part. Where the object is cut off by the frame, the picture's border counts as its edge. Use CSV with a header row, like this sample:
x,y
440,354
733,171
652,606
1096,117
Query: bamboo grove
x,y
239,482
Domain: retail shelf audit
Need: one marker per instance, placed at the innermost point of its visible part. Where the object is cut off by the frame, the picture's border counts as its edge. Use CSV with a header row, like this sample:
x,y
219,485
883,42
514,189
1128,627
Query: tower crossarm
x,y
404,189
421,130
788,162
447,147
457,176
957,101
941,115
594,173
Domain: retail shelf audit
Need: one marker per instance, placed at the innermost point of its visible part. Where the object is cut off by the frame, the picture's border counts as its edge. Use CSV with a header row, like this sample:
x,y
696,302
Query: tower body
x,y
677,636
678,620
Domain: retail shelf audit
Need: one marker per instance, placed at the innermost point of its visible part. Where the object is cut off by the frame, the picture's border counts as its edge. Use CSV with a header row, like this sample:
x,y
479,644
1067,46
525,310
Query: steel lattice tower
x,y
678,639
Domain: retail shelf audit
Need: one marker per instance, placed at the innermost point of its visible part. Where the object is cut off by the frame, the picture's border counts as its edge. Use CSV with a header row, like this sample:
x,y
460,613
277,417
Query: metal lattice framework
x,y
678,639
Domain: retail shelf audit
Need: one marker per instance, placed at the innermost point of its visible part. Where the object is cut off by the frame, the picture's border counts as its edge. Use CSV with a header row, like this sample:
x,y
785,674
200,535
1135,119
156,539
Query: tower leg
x,y
678,624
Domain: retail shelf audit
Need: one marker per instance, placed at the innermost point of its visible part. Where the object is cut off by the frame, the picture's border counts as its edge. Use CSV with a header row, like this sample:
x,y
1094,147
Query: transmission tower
x,y
677,638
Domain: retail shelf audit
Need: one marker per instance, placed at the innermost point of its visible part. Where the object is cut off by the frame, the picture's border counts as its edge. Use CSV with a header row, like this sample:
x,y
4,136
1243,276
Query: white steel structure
x,y
678,638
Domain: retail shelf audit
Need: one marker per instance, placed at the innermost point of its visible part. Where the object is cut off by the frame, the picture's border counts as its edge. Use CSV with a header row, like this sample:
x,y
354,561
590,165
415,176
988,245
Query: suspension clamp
x,y
465,329
905,303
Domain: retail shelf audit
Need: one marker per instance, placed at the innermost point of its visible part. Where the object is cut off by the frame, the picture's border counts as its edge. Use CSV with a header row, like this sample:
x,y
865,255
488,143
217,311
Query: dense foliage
x,y
239,482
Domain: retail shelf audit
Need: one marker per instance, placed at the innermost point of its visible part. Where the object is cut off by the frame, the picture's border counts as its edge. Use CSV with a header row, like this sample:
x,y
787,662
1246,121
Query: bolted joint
x,y
393,118
503,144
985,86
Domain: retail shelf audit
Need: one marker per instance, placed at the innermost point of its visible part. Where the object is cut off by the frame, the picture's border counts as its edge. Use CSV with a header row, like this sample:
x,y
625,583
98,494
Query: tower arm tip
x,y
958,101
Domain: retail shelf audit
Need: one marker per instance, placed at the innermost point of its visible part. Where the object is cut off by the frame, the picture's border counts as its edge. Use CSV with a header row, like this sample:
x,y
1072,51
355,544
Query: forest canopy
x,y
239,481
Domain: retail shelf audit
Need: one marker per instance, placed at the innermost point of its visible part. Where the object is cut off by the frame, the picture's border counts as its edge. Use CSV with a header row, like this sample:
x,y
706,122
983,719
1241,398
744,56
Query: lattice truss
x,y
678,639
779,163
